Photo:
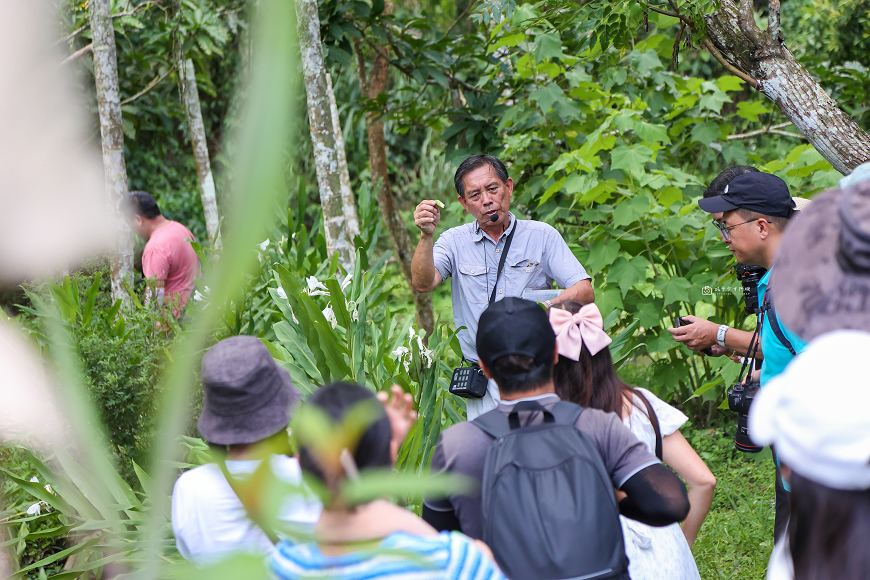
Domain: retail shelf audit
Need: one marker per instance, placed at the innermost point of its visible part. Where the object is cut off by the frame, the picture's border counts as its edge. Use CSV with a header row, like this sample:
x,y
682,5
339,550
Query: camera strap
x,y
767,306
504,253
752,350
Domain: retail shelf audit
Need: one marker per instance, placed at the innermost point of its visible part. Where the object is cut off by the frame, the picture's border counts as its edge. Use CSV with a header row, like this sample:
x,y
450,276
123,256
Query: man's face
x,y
135,224
743,238
486,195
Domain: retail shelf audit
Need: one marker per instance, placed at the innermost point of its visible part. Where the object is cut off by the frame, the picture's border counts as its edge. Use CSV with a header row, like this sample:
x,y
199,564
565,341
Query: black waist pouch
x,y
468,382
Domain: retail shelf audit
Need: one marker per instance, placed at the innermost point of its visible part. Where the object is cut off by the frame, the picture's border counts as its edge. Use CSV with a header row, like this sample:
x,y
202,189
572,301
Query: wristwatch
x,y
548,303
720,334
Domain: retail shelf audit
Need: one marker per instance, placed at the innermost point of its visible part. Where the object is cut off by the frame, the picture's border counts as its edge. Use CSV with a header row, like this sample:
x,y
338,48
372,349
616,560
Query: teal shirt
x,y
776,355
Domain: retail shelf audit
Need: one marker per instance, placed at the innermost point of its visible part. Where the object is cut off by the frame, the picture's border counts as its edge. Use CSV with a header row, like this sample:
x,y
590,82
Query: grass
x,y
737,536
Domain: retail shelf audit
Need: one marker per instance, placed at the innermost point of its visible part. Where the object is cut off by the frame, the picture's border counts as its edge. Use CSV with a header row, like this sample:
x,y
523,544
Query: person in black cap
x,y
517,348
752,214
249,400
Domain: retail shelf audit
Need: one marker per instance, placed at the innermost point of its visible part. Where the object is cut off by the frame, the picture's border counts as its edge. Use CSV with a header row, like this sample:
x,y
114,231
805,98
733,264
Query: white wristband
x,y
720,334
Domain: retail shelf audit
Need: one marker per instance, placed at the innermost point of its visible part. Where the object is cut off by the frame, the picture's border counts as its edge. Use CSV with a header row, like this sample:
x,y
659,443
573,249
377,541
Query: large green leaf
x,y
673,289
632,159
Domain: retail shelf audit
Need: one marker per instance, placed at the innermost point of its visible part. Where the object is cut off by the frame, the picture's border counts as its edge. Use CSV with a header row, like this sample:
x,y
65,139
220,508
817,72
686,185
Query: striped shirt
x,y
401,556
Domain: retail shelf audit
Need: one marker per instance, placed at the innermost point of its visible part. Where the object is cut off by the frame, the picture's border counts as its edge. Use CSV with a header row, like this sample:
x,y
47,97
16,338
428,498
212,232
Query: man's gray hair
x,y
473,163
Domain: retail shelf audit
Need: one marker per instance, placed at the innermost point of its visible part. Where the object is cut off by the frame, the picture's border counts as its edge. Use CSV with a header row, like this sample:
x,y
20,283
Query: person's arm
x,y
424,275
563,266
581,292
677,453
655,497
701,334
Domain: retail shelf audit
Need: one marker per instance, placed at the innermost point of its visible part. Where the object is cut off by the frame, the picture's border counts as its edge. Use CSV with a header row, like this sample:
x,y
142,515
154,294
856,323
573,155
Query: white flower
x,y
35,509
48,489
197,295
280,292
330,316
400,352
354,315
34,479
411,334
315,287
346,282
292,315
264,245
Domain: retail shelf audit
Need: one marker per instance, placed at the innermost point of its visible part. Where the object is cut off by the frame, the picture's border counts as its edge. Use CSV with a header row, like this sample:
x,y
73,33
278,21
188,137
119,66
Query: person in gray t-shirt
x,y
470,255
518,348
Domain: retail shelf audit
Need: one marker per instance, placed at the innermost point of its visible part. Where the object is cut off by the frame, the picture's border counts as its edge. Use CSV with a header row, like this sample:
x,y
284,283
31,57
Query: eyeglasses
x,y
724,230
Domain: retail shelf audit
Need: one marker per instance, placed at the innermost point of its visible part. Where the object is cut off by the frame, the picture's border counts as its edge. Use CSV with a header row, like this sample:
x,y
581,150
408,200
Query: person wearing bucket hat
x,y
824,265
247,406
824,444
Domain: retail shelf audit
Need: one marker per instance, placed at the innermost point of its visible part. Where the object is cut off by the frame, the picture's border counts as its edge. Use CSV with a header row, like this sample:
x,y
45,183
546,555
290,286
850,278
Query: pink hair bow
x,y
575,330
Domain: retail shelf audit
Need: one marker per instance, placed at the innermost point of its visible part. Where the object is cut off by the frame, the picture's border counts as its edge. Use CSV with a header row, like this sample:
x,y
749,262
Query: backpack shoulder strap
x,y
566,413
774,322
494,423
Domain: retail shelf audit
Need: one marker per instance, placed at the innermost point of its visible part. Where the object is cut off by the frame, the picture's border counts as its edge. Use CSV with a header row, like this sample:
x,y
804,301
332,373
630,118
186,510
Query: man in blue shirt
x,y
751,215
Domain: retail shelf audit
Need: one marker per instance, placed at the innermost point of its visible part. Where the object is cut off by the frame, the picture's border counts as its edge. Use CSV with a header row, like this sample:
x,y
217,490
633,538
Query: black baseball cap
x,y
759,192
515,326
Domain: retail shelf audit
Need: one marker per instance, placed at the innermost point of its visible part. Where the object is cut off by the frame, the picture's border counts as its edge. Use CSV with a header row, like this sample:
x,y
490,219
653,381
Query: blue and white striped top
x,y
401,556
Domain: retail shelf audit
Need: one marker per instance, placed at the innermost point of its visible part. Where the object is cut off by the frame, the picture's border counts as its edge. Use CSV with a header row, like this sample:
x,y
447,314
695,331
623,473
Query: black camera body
x,y
740,396
740,399
749,277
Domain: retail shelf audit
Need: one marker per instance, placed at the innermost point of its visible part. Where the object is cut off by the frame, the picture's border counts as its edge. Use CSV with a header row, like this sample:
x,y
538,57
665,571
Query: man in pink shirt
x,y
168,259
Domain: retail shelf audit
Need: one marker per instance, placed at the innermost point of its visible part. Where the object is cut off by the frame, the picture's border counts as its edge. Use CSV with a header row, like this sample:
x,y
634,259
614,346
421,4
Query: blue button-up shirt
x,y
537,256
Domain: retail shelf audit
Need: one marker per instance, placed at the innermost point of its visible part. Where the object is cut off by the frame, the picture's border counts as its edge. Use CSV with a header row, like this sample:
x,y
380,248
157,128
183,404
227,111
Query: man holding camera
x,y
491,258
751,215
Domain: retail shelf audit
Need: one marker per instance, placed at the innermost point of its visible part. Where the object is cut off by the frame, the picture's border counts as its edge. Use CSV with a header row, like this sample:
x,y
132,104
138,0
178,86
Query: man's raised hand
x,y
426,216
400,412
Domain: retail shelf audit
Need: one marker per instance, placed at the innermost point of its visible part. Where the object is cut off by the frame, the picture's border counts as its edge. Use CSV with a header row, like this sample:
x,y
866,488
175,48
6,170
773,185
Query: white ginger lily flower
x,y
35,509
404,356
264,245
280,292
346,282
330,316
315,287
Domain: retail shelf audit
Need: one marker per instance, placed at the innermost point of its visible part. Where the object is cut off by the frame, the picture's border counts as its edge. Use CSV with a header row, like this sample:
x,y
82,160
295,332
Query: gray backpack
x,y
549,511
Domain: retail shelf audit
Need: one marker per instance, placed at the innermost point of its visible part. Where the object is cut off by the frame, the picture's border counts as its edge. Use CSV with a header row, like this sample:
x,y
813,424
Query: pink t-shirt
x,y
169,256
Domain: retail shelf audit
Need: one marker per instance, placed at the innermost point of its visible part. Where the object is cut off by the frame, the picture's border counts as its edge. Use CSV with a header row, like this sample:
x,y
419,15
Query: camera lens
x,y
742,440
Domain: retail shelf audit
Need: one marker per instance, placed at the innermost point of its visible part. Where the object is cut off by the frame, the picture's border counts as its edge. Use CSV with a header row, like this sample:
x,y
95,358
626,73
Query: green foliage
x,y
122,354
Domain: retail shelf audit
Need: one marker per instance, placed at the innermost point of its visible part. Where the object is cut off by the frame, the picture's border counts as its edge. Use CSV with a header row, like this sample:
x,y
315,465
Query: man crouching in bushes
x,y
547,468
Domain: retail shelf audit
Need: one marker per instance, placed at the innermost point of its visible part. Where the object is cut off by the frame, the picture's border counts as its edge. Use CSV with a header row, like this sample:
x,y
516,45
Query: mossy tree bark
x,y
762,59
111,131
339,211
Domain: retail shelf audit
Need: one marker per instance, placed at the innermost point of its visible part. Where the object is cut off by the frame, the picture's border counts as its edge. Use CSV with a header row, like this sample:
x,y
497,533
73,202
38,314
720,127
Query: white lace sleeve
x,y
670,419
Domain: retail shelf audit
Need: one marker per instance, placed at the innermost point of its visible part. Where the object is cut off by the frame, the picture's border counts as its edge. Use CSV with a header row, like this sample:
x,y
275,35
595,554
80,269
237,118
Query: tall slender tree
x,y
189,93
109,104
373,82
340,229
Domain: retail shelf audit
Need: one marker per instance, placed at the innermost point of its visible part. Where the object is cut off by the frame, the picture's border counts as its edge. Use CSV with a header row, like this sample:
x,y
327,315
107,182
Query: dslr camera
x,y
740,396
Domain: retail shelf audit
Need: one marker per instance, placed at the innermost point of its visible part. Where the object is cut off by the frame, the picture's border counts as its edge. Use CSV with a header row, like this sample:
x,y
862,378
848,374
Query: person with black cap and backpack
x,y
547,468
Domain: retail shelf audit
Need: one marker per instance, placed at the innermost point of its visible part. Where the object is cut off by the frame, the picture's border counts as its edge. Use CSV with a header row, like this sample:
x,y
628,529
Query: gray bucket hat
x,y
821,274
248,397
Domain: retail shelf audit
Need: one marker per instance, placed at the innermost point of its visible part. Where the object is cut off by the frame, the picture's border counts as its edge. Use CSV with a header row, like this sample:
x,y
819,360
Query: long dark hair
x,y
828,531
592,381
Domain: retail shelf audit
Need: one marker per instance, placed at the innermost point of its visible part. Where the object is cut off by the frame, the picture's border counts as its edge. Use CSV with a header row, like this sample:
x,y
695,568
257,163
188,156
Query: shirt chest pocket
x,y
525,273
473,280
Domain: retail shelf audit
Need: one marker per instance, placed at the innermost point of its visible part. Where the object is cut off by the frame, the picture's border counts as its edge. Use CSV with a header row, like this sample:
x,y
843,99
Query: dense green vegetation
x,y
611,122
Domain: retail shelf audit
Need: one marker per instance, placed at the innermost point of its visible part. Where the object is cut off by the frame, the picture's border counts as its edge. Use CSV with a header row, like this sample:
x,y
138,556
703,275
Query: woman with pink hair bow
x,y
585,375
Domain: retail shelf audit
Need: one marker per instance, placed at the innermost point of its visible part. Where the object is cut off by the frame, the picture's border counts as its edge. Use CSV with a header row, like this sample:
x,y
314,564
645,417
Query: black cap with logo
x,y
759,192
515,326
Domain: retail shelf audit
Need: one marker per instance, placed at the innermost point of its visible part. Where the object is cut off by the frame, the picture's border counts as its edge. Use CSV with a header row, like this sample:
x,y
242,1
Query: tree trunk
x,y
326,138
371,87
347,201
109,103
773,70
190,100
